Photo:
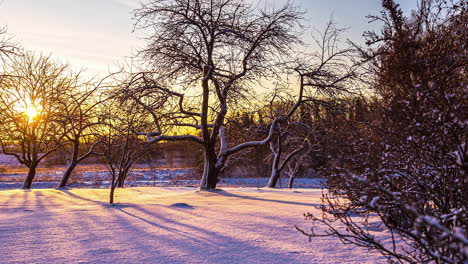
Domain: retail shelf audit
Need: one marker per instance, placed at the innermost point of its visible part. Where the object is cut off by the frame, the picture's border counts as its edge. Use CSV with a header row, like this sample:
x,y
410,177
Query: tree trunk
x,y
31,173
72,165
210,173
120,183
291,181
112,188
275,173
123,175
66,175
121,179
111,198
275,167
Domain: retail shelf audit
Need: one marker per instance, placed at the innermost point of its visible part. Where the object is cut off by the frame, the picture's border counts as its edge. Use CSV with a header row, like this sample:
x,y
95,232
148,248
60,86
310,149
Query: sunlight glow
x,y
31,112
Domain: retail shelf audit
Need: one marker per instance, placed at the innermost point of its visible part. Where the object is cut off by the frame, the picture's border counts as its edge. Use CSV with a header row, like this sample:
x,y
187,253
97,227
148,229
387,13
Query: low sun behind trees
x,y
47,108
29,107
235,52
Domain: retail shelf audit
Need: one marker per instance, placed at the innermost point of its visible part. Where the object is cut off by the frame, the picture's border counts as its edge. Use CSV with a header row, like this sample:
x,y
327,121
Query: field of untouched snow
x,y
165,225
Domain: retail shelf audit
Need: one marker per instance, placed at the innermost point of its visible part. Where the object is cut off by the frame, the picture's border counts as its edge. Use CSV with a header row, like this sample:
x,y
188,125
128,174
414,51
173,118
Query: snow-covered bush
x,y
419,184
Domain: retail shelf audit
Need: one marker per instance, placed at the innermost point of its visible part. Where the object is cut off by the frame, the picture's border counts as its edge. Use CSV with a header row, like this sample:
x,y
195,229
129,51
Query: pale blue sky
x,y
97,34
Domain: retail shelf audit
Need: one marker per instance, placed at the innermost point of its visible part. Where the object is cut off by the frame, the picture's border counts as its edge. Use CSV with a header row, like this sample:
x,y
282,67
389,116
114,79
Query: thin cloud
x,y
128,3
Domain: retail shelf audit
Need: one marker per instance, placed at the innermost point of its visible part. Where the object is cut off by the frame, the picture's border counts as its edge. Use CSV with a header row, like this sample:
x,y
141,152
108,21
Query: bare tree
x,y
325,75
286,143
8,46
79,120
28,100
121,146
223,46
296,162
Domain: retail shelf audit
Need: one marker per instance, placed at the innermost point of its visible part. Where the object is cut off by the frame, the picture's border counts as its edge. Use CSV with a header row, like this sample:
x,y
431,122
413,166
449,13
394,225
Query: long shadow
x,y
56,199
39,201
274,220
143,219
230,194
82,198
66,199
10,198
75,223
27,194
142,237
185,234
205,242
92,242
120,207
159,216
145,236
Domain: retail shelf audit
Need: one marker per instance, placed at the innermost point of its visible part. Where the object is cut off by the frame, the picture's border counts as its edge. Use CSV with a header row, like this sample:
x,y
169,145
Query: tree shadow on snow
x,y
230,194
67,192
195,240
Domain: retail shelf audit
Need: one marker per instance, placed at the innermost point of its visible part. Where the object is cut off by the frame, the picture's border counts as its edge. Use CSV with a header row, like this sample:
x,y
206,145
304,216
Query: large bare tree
x,y
217,52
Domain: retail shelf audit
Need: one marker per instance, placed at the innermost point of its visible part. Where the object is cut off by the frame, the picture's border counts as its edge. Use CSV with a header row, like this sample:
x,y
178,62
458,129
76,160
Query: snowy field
x,y
165,225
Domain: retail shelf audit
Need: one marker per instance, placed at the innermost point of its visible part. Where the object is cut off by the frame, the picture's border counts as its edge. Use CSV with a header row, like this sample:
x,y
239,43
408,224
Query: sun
x,y
31,112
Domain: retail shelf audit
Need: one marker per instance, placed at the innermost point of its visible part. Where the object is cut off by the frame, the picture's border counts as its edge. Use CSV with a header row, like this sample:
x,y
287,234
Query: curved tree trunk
x,y
275,173
275,167
31,174
291,181
66,175
71,166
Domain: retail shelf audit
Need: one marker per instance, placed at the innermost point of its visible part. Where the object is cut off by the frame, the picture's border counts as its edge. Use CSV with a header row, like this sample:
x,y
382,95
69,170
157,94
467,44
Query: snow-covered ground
x,y
100,178
165,225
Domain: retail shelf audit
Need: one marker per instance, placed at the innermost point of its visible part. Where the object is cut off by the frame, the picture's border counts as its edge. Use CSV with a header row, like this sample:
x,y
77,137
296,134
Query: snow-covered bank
x,y
165,225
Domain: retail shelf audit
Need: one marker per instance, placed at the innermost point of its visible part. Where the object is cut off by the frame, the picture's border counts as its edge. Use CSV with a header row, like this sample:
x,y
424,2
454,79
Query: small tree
x,y
121,146
325,75
80,120
295,148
